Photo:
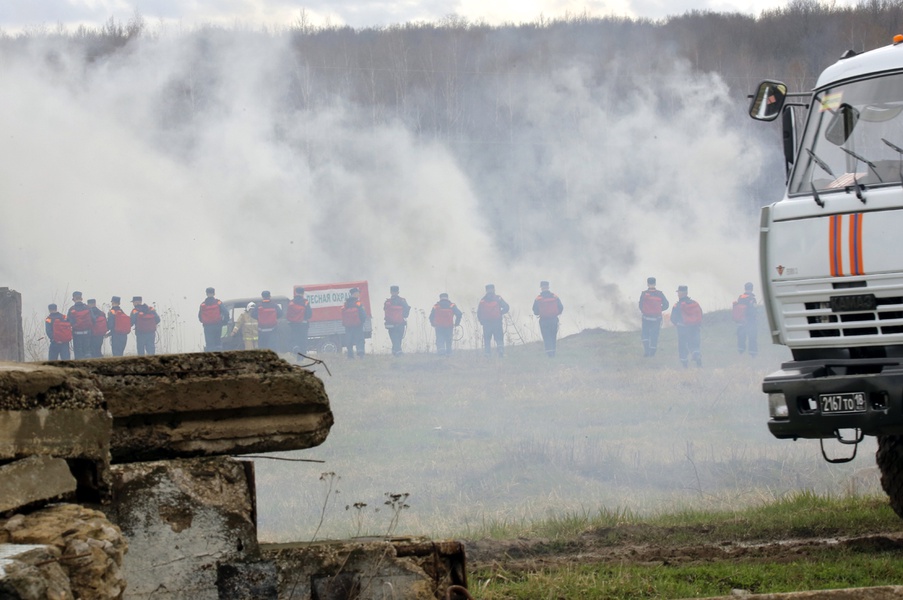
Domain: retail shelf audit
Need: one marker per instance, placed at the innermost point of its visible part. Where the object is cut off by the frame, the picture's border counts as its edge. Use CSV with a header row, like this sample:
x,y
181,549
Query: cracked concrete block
x,y
369,569
48,410
33,480
183,520
209,404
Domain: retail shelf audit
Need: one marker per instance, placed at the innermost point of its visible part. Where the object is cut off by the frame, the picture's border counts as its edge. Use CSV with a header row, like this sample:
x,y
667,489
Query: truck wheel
x,y
890,462
329,346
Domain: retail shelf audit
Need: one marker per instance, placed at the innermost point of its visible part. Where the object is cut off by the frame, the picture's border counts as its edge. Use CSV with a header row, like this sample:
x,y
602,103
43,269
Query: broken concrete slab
x,y
184,519
89,548
32,572
208,404
368,569
48,410
35,479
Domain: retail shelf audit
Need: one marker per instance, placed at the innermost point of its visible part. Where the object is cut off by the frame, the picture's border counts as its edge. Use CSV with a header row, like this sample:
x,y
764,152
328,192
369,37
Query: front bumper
x,y
802,382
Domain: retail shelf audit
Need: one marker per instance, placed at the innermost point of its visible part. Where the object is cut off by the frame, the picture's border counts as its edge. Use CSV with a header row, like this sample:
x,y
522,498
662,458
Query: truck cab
x,y
830,260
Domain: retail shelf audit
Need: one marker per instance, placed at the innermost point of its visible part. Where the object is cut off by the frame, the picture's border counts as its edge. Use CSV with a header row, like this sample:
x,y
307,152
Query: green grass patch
x,y
816,571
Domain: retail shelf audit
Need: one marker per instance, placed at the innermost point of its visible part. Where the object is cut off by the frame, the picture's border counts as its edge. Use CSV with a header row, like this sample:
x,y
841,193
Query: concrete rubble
x,y
141,446
209,404
88,549
33,480
184,520
369,569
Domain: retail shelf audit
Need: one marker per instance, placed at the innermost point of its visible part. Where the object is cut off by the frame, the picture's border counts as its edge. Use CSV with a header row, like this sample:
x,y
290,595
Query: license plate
x,y
858,302
850,402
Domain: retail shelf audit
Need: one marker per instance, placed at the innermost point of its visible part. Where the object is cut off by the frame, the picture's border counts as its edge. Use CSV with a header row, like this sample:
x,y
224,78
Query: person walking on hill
x,y
547,307
652,304
82,321
120,324
353,318
246,324
298,314
99,330
744,313
444,317
267,312
396,310
212,315
687,316
490,312
145,320
59,332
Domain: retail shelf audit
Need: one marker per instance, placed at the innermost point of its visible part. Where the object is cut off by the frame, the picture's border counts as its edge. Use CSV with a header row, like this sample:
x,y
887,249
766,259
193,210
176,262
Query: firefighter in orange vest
x,y
744,313
120,324
267,313
547,307
444,317
99,331
59,332
353,318
298,315
145,320
82,321
212,315
652,304
687,316
490,312
397,310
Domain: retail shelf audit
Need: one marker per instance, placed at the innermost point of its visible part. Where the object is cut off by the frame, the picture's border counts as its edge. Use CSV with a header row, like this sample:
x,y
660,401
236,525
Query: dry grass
x,y
482,442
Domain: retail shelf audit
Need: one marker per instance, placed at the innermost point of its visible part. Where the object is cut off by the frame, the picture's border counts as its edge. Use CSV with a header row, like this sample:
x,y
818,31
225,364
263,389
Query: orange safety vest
x,y
100,325
394,313
82,320
443,317
145,322
490,310
295,312
691,312
351,315
121,321
651,306
548,306
62,331
211,314
266,315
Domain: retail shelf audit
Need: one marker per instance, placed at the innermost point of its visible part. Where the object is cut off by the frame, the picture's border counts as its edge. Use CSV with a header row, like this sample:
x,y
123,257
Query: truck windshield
x,y
854,134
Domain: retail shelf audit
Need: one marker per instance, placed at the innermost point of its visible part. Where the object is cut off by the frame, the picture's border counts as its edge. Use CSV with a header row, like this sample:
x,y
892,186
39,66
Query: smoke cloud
x,y
184,159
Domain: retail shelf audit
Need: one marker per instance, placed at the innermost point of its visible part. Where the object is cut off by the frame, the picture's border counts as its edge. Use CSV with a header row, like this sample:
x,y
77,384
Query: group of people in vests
x,y
686,315
258,324
84,327
445,316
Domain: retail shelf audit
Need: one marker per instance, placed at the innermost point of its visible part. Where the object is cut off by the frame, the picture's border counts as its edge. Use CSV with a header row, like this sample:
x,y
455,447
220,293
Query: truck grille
x,y
809,319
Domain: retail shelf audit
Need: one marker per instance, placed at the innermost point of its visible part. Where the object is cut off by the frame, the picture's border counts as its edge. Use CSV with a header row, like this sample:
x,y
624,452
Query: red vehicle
x,y
326,302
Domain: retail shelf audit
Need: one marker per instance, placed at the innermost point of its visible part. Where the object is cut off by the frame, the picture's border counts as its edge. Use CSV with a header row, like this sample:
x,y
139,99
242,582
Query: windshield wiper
x,y
824,166
815,195
900,152
871,165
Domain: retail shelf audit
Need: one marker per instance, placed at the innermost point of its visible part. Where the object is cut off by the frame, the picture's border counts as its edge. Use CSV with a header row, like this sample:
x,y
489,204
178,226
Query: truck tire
x,y
890,462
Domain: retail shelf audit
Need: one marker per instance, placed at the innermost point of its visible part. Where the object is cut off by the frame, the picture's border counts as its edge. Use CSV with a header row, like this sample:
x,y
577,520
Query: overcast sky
x,y
18,15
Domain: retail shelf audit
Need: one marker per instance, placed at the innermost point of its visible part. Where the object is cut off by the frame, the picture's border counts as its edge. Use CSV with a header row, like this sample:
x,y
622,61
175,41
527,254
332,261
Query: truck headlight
x,y
777,406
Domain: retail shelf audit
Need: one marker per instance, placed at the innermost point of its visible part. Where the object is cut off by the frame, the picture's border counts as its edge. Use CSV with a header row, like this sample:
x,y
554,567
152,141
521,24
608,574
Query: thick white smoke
x,y
175,163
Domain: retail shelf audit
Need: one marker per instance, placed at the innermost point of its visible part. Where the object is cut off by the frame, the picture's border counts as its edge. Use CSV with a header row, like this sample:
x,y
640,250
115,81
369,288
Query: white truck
x,y
831,260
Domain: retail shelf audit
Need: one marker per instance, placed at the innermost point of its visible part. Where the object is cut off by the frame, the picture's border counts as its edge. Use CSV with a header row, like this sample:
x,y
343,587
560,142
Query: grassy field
x,y
803,542
486,447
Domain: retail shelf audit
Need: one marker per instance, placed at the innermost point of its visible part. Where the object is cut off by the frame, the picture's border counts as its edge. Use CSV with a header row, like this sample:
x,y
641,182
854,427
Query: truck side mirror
x,y
768,101
842,124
